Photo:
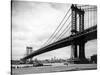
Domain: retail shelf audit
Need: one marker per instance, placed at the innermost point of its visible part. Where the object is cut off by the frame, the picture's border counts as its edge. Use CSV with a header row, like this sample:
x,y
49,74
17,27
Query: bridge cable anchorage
x,y
56,28
65,31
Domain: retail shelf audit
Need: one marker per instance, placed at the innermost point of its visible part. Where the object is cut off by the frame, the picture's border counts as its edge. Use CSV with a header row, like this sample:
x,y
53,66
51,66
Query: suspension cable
x,y
61,27
56,28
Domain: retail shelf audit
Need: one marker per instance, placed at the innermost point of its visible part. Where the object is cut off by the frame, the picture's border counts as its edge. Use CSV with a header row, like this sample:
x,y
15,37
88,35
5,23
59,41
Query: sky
x,y
34,22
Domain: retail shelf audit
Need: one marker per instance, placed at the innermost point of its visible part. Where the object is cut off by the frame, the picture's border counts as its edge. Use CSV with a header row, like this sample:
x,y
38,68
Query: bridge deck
x,y
88,34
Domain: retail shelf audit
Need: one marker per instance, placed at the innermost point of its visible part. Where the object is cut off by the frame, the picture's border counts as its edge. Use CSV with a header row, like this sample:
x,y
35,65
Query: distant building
x,y
94,59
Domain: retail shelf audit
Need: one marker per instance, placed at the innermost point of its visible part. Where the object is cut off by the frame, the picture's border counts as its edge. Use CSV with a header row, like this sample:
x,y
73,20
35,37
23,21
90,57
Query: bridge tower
x,y
29,51
82,41
74,55
74,31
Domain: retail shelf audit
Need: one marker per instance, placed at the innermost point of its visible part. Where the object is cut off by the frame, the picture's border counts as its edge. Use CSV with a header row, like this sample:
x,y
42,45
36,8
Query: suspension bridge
x,y
80,25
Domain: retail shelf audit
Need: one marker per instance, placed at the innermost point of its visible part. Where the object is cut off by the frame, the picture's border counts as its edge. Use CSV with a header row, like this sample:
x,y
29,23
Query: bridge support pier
x,y
81,51
82,58
74,51
74,54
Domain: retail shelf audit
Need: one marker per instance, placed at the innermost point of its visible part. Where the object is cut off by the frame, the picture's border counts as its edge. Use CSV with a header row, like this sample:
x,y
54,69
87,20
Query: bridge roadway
x,y
86,35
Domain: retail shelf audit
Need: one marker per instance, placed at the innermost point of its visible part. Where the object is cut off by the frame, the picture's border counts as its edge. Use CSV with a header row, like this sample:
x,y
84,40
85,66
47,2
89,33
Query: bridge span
x,y
88,34
77,37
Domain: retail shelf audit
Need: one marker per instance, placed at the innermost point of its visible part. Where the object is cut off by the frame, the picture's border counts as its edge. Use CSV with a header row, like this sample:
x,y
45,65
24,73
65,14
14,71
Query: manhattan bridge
x,y
81,29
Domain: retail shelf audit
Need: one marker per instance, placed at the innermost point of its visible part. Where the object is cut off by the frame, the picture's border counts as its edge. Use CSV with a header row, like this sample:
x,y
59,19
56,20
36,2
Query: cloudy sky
x,y
34,22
